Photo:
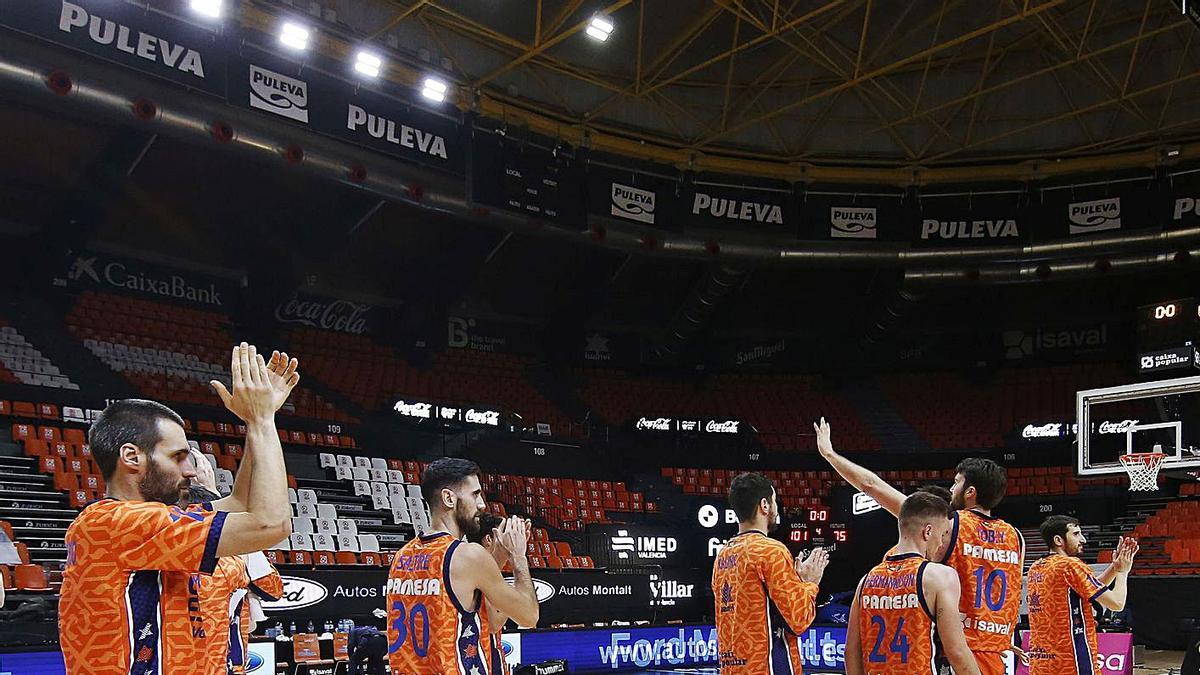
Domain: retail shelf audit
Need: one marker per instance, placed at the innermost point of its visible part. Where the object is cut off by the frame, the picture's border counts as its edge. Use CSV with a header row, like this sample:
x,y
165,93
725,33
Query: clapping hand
x,y
812,569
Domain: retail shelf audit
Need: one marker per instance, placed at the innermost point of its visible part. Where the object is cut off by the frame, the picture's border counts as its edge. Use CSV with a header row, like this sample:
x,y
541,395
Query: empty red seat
x,y
31,578
346,558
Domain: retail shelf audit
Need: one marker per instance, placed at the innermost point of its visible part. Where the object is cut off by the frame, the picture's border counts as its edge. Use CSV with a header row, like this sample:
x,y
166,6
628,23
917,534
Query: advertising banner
x,y
1115,657
638,545
632,197
331,314
971,220
84,270
1070,213
305,96
822,649
847,218
145,40
724,207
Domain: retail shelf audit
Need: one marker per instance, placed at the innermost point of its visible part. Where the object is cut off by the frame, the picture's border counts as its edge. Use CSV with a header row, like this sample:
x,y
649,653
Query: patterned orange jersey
x,y
753,575
1062,630
265,583
894,620
215,594
988,554
130,596
430,630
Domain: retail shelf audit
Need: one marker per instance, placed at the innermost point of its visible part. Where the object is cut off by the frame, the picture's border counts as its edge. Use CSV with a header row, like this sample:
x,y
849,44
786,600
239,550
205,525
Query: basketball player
x,y
265,584
1062,630
941,493
438,584
987,553
130,599
902,600
754,575
495,618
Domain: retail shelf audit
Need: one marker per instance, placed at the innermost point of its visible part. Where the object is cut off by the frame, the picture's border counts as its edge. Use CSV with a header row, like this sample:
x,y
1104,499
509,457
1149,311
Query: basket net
x,y
1142,468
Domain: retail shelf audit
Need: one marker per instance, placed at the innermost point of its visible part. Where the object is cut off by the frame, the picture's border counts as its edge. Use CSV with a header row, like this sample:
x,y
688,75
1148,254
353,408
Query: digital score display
x,y
1168,324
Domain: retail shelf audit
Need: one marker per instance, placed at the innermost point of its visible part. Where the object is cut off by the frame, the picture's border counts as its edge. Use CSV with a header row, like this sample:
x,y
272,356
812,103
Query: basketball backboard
x,y
1162,416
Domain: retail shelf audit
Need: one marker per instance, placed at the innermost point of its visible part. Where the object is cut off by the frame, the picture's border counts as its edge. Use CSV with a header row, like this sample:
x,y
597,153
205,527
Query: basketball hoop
x,y
1142,468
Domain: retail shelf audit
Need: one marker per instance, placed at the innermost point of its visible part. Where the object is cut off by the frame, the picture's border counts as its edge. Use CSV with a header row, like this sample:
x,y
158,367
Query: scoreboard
x,y
1167,333
815,529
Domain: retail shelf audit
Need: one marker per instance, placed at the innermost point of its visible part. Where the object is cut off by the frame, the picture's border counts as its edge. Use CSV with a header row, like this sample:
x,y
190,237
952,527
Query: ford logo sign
x,y
297,593
255,662
544,591
507,648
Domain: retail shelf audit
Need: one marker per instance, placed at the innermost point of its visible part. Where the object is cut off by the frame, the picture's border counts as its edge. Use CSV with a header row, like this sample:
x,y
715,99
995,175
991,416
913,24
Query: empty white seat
x,y
362,488
326,460
224,480
377,475
327,511
292,496
347,542
379,463
306,510
400,512
344,473
302,526
395,490
323,542
347,526
380,502
326,526
361,474
306,496
414,491
212,461
368,543
394,476
300,542
379,489
345,460
362,462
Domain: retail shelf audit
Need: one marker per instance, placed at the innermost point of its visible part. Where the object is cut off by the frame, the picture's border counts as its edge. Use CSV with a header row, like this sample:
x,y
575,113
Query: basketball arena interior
x,y
617,253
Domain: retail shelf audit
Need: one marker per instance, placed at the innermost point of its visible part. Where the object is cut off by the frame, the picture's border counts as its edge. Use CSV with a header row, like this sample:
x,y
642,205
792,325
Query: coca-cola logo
x,y
342,316
1118,427
1052,430
722,427
654,424
489,417
421,410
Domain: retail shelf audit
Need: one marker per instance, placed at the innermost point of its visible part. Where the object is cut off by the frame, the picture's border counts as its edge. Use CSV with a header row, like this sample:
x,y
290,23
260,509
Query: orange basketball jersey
x,y
894,620
130,595
751,576
266,584
1062,630
988,554
430,630
215,593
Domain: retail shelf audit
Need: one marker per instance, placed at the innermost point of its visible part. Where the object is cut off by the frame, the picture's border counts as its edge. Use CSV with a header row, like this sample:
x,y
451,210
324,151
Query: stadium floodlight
x,y
368,64
600,28
434,90
209,8
294,35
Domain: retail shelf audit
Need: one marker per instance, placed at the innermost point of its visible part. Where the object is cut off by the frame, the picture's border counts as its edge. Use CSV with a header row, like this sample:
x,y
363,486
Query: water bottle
x,y
311,629
328,625
292,628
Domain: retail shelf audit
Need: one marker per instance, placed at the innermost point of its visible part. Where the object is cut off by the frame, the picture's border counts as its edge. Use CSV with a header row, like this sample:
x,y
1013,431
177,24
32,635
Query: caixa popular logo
x,y
297,594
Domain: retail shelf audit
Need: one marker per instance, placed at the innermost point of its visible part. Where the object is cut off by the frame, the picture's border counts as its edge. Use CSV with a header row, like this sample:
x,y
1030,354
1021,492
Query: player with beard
x,y
754,578
438,583
494,618
987,553
130,598
1062,630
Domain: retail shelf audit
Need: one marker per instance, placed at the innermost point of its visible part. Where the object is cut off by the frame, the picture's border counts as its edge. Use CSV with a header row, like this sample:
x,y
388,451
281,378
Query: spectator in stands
x,y
130,592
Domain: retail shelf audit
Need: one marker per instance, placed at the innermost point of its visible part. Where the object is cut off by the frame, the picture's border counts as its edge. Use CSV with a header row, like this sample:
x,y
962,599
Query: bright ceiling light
x,y
294,35
600,28
368,64
434,90
209,8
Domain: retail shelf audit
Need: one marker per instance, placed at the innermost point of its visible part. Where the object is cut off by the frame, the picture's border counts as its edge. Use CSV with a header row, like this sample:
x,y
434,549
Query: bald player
x,y
754,575
987,553
904,599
